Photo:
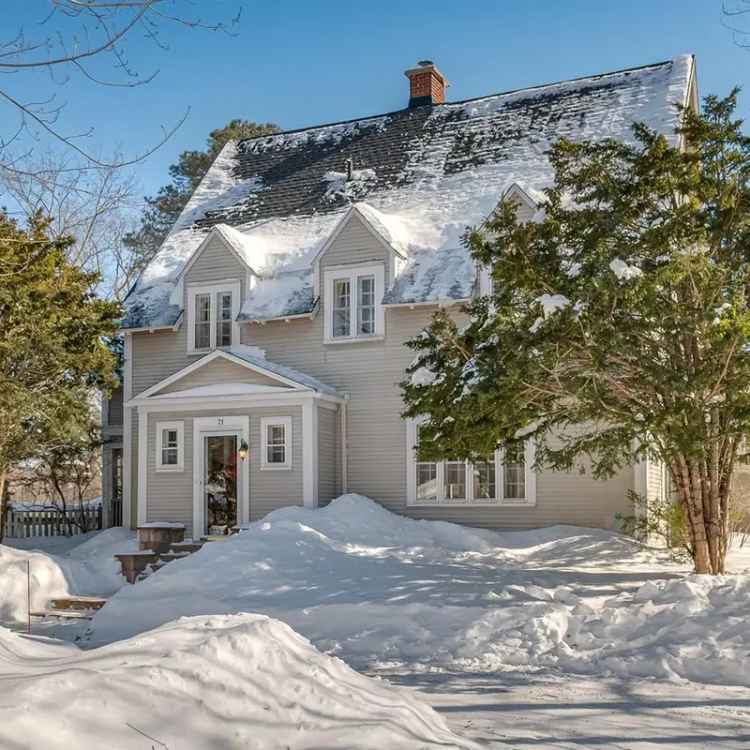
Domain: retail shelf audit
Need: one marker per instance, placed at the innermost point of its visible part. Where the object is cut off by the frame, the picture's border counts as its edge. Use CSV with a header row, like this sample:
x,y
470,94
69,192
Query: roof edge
x,y
593,76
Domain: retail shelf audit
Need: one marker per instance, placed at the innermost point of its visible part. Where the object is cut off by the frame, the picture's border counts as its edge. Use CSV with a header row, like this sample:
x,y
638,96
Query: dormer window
x,y
352,304
212,312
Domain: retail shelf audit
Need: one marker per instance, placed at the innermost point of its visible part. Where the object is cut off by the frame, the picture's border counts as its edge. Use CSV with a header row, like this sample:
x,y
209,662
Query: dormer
x,y
352,271
212,286
527,202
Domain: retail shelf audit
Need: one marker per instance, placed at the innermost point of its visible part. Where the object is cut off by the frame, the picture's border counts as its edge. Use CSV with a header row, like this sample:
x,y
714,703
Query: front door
x,y
220,483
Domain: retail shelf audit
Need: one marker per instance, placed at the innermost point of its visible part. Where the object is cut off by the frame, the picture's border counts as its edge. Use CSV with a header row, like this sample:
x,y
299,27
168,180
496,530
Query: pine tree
x,y
163,209
53,349
619,322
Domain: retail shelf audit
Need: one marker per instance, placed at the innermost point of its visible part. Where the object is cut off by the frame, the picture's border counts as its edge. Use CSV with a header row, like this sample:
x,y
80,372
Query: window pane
x,y
341,307
276,444
169,438
202,321
276,454
426,480
276,434
484,481
514,483
366,305
224,321
169,456
455,480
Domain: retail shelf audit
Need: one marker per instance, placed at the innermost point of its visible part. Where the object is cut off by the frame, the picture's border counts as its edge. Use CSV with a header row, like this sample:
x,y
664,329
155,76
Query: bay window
x,y
506,478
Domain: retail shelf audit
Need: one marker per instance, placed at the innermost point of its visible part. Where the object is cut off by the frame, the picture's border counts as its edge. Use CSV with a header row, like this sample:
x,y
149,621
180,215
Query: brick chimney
x,y
426,84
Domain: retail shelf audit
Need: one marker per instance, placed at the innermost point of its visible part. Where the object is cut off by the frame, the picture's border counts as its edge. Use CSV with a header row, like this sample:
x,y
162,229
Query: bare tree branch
x,y
86,33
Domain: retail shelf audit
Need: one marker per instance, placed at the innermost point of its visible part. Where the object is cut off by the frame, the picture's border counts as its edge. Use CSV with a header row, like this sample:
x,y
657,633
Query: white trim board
x,y
149,393
286,423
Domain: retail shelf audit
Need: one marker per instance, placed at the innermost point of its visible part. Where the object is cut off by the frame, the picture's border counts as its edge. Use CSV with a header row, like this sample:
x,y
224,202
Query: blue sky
x,y
302,63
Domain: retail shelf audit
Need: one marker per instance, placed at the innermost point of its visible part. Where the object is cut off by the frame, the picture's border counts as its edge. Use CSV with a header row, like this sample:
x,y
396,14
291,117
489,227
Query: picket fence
x,y
22,523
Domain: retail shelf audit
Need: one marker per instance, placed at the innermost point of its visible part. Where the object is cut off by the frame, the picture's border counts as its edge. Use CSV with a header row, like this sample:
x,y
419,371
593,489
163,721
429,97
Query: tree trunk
x,y
703,496
3,506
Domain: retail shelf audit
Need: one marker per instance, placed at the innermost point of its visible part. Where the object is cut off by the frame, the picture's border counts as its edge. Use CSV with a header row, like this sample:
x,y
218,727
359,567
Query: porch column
x,y
310,452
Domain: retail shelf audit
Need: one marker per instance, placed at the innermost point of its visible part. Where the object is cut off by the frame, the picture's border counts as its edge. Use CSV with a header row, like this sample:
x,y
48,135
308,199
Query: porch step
x,y
64,614
77,603
185,546
166,557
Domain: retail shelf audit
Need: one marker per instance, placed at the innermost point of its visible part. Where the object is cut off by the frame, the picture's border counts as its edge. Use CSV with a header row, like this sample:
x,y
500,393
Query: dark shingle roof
x,y
429,171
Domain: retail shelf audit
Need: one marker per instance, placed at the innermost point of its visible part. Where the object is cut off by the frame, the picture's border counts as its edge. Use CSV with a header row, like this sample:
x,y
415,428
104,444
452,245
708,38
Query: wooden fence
x,y
23,523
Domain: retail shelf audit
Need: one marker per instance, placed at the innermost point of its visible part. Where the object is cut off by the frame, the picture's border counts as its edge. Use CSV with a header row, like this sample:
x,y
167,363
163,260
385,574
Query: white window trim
x,y
179,427
497,502
265,423
213,289
351,273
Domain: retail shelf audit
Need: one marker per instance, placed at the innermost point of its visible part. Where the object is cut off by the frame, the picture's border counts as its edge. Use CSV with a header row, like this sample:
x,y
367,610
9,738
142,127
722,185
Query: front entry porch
x,y
222,445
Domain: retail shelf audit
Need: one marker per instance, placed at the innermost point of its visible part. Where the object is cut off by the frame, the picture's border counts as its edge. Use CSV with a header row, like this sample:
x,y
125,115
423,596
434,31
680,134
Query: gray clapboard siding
x,y
355,244
114,414
328,458
217,372
215,263
370,373
271,489
170,494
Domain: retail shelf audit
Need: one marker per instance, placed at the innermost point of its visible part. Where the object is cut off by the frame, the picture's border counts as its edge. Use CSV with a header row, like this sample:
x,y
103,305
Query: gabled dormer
x,y
212,286
527,202
352,271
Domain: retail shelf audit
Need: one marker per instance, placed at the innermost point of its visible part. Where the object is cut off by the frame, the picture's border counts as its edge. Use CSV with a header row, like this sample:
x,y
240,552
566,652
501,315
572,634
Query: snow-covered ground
x,y
238,681
557,638
386,592
60,566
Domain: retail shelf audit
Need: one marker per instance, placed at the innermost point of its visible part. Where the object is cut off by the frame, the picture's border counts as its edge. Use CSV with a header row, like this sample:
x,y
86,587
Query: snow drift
x,y
205,682
88,568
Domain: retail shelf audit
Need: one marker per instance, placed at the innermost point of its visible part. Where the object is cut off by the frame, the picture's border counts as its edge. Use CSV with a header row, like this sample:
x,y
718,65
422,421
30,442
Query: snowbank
x,y
88,568
384,591
233,681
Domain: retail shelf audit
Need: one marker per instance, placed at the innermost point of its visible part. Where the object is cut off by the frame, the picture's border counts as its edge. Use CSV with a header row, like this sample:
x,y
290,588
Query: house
x,y
264,343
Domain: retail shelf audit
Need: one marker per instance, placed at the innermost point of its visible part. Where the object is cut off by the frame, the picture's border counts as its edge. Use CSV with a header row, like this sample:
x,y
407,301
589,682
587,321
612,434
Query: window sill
x,y
271,467
471,504
354,339
169,469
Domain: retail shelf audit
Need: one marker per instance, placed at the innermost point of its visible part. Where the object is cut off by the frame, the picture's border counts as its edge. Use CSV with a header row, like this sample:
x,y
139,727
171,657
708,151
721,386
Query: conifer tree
x,y
163,209
53,349
618,326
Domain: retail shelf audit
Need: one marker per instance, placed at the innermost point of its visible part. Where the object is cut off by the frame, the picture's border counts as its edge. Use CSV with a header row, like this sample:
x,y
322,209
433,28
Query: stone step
x,y
166,557
185,546
77,603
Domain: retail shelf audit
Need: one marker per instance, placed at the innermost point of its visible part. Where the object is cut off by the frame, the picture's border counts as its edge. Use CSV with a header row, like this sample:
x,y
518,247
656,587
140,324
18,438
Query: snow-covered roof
x,y
256,357
421,176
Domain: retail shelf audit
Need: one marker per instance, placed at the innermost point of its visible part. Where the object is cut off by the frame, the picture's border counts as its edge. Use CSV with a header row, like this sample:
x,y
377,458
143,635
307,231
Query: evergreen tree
x,y
53,351
162,209
619,322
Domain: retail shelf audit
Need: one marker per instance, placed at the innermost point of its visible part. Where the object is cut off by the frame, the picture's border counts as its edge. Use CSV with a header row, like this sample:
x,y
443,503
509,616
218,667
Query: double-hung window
x,y
212,311
505,478
276,442
352,303
169,446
